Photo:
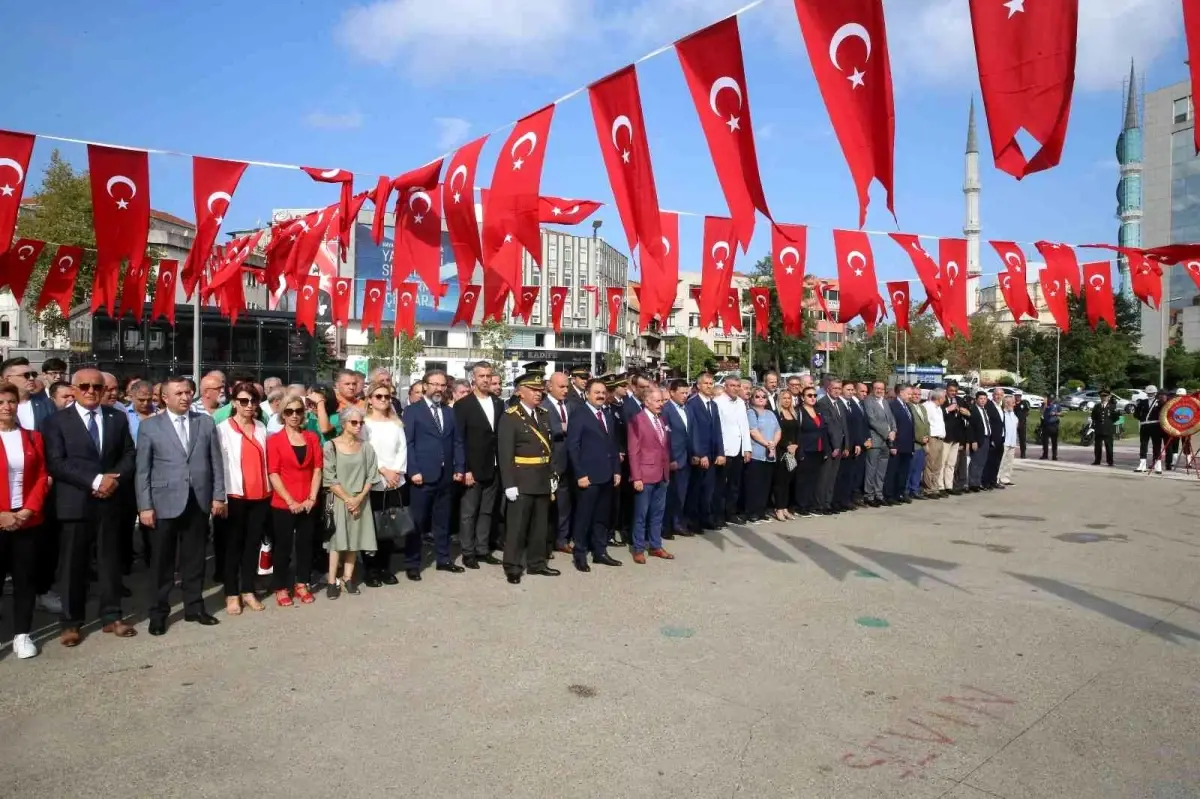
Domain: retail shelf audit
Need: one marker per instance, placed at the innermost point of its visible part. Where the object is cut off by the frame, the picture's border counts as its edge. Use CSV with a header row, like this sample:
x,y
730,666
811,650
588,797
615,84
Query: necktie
x,y
562,412
837,408
437,417
600,419
93,430
987,429
711,411
658,428
183,433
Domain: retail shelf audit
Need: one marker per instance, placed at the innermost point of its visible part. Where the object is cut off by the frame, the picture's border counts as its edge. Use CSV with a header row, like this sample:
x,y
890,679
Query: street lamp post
x,y
595,267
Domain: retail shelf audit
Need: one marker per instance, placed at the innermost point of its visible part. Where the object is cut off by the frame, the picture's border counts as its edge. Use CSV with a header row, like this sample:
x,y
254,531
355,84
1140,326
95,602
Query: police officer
x,y
523,450
621,513
577,393
1104,425
1148,412
1021,409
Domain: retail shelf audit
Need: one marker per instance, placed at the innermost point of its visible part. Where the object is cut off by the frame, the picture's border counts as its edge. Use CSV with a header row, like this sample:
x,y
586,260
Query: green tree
x,y
379,350
702,359
494,338
1178,365
326,364
778,351
612,362
1036,381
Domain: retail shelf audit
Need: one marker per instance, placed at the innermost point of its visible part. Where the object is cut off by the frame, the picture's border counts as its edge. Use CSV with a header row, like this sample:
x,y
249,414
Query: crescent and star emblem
x,y
1097,281
459,171
65,263
331,173
1054,290
529,137
720,245
1193,267
666,246
118,179
848,31
341,287
1005,281
952,271
7,190
527,296
167,278
783,254
622,121
761,300
418,216
726,82
468,296
406,298
307,292
898,297
1014,260
374,294
556,298
24,251
858,270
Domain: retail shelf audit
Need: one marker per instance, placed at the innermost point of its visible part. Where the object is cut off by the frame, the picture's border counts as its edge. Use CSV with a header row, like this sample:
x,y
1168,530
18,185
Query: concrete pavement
x,y
1042,641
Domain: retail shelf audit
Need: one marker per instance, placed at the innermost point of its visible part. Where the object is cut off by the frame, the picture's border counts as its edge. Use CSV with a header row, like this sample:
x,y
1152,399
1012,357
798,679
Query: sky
x,y
382,86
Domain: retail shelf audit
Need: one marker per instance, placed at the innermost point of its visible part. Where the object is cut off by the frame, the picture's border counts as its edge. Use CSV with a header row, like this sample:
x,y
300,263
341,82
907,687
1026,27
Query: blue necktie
x,y
94,430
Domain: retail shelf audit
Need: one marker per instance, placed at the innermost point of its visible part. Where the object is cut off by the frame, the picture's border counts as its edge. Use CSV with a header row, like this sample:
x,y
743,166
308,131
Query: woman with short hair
x,y
243,440
294,464
385,431
350,469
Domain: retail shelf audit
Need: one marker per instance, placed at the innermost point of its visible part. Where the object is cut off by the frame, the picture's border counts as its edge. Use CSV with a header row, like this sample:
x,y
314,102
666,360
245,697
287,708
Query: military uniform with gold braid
x,y
523,450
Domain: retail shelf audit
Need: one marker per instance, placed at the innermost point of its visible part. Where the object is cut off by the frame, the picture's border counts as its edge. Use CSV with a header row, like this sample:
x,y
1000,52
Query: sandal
x,y
233,606
303,594
251,601
283,599
333,590
350,586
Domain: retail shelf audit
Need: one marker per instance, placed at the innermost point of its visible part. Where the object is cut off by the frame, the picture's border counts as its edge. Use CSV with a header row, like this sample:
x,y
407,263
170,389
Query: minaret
x,y
971,224
1129,189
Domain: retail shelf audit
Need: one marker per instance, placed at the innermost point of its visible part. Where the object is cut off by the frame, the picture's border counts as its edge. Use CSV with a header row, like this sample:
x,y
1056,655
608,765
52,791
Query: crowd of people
x,y
303,490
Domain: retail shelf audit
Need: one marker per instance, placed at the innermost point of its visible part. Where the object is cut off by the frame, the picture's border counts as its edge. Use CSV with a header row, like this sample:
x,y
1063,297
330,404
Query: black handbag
x,y
392,522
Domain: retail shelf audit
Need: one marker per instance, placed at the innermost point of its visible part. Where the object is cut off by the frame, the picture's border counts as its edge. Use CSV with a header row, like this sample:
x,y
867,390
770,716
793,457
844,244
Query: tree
x,y
702,359
1035,377
494,338
777,351
985,349
612,361
326,363
379,350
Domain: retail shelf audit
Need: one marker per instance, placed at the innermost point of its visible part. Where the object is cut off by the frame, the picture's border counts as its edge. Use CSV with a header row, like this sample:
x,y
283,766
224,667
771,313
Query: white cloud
x,y
452,131
323,119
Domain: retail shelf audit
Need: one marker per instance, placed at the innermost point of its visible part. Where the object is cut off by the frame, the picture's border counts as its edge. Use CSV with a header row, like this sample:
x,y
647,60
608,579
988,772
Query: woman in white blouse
x,y
385,432
1010,441
243,440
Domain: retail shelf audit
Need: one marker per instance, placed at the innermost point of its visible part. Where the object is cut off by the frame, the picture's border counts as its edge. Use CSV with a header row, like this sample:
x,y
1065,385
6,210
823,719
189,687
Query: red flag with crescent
x,y
339,310
558,300
847,46
214,182
511,211
1016,294
856,278
306,304
133,289
120,181
374,298
279,249
1060,261
668,272
1191,29
952,257
1026,58
60,279
495,296
789,249
730,313
17,264
458,208
1145,279
898,292
345,220
1054,290
468,299
523,302
1098,289
426,175
406,309
164,292
15,151
716,271
760,297
927,269
308,241
561,211
614,298
1193,269
712,64
418,236
819,294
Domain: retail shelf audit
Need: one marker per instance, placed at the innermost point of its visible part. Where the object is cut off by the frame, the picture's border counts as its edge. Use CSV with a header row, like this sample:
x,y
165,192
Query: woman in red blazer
x,y
294,464
23,488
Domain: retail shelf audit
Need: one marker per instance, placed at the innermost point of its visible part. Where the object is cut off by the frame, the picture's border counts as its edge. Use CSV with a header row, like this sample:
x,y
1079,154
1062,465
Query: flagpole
x,y
688,371
196,335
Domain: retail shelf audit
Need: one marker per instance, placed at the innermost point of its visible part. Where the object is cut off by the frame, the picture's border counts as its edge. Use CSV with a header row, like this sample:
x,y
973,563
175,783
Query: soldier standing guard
x,y
523,450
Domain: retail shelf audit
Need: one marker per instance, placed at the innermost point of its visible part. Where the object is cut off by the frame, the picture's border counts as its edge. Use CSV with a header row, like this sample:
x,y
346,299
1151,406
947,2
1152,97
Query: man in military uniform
x,y
523,449
1104,425
532,368
1021,409
577,393
621,514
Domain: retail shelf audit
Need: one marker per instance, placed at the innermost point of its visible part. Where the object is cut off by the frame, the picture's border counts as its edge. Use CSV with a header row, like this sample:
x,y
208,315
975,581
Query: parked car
x,y
1034,400
1087,399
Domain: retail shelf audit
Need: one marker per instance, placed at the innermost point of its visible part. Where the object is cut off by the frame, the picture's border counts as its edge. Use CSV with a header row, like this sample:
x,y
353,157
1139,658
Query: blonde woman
x,y
294,463
385,432
350,469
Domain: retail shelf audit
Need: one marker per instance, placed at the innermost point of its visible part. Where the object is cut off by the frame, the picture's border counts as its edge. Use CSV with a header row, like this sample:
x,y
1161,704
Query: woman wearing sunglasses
x,y
811,451
385,431
243,441
294,462
350,469
764,438
789,429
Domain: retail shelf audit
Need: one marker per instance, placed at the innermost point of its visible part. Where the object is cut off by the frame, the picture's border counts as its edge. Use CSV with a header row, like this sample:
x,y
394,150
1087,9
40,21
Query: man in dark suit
x,y
90,455
849,483
708,452
477,417
979,436
559,409
834,416
676,414
621,512
995,412
577,393
634,401
901,451
596,468
435,464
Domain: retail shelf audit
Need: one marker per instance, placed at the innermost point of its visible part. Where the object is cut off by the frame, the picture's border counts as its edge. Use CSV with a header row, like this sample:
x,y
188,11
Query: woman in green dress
x,y
349,471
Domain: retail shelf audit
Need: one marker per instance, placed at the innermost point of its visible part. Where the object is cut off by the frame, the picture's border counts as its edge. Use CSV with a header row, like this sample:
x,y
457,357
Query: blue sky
x,y
384,86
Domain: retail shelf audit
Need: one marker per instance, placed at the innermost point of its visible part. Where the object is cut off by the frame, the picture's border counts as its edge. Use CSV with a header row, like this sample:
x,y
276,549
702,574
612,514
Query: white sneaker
x,y
1141,467
24,647
1158,467
49,602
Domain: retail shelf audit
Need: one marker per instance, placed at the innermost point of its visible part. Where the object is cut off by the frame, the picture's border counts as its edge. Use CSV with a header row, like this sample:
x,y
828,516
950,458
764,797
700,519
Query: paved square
x,y
1042,641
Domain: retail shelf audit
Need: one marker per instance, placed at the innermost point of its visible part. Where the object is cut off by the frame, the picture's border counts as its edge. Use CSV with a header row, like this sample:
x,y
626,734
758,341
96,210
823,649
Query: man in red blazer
x,y
650,468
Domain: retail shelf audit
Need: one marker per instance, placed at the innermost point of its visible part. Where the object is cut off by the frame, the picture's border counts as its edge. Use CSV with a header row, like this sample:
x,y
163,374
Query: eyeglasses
x,y
244,401
381,396
87,387
26,375
352,422
810,394
292,412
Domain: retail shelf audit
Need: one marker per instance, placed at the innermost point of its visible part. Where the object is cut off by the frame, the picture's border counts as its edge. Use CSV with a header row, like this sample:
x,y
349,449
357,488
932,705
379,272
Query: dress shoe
x,y
668,536
661,553
453,568
70,637
489,559
906,500
566,549
204,619
119,628
639,557
514,579
387,578
581,565
545,571
686,533
471,563
158,626
373,581
414,575
606,560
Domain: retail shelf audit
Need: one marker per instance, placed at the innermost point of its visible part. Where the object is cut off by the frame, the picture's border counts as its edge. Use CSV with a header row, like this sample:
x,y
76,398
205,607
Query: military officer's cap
x,y
531,380
616,381
580,371
536,367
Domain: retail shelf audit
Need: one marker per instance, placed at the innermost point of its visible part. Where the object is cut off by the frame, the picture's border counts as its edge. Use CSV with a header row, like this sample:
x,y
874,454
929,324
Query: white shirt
x,y
84,415
174,419
438,411
14,451
25,414
937,421
489,409
1010,429
682,414
390,443
657,424
735,425
560,410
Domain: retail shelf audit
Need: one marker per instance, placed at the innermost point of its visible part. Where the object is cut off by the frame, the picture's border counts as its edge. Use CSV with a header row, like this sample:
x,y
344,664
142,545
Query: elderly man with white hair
x,y
935,448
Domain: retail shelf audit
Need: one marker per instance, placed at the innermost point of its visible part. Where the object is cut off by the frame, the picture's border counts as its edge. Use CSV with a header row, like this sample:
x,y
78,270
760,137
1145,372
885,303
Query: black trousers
x,y
380,560
991,469
760,477
808,470
1150,434
48,547
475,517
560,513
430,508
220,532
1049,442
1107,443
528,520
244,535
19,558
591,526
292,531
186,534
847,476
78,537
781,486
827,482
895,481
1021,438
702,503
729,480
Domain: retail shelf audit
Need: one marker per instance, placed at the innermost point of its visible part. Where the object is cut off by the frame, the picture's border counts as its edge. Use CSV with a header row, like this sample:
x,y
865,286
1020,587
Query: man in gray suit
x,y
180,480
882,425
833,413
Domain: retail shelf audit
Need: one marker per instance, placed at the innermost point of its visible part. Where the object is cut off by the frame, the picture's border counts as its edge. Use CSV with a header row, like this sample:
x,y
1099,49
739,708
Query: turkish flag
x,y
311,237
1019,304
15,152
164,292
712,64
561,211
229,267
306,304
927,269
120,214
667,273
716,272
1145,279
615,297
558,299
621,131
406,309
422,176
282,239
731,311
511,211
468,299
1013,257
856,278
1193,270
1191,28
213,184
847,46
898,292
343,291
458,208
789,248
374,296
1169,254
345,219
133,289
1097,279
595,292
819,293
1054,290
17,264
760,297
418,237
523,302
60,279
1026,58
952,257
1061,261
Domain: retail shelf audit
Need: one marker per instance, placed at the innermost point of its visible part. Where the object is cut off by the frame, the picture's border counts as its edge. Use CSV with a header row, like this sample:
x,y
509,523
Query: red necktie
x,y
658,428
600,419
562,413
